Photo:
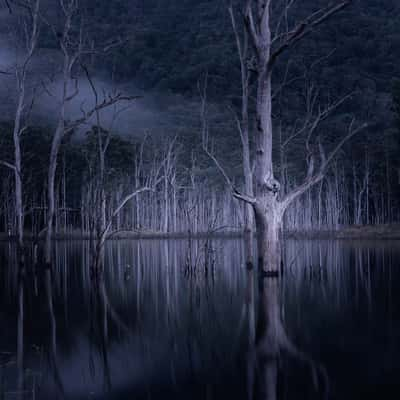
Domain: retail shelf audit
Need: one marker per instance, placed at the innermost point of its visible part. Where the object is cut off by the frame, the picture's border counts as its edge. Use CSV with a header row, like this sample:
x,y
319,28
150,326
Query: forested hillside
x,y
172,43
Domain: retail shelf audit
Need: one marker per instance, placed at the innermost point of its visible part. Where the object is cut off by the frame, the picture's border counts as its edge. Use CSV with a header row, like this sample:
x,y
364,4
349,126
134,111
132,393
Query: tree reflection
x,y
165,324
53,358
20,334
100,312
99,326
272,345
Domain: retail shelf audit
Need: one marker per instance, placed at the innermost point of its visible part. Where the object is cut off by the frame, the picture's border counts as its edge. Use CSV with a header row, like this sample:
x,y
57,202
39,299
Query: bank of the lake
x,y
383,231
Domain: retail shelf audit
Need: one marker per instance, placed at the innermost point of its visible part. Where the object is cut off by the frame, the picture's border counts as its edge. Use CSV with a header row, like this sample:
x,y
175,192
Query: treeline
x,y
186,194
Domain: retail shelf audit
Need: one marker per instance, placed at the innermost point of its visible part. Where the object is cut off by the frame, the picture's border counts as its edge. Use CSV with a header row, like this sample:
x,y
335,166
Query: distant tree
x,y
27,19
74,46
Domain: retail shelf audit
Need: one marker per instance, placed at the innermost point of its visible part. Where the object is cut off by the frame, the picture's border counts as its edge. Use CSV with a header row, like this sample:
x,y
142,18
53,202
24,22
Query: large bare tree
x,y
268,44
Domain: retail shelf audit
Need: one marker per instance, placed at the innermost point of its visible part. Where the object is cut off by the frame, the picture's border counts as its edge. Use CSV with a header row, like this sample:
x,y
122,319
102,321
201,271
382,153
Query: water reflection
x,y
53,359
20,335
179,319
273,344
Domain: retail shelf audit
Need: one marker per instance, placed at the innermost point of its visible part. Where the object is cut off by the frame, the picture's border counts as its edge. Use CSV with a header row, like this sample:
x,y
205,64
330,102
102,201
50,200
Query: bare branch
x,y
107,102
313,178
8,165
74,93
251,26
236,32
352,132
127,198
121,205
306,27
205,140
244,197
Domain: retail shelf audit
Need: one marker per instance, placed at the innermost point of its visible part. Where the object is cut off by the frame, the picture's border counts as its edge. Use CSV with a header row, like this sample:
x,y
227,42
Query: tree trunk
x,y
267,210
248,180
164,228
20,337
51,177
269,222
243,124
18,201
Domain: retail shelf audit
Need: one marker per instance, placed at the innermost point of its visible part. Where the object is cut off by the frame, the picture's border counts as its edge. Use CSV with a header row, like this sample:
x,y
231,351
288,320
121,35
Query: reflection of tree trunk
x,y
250,312
56,143
168,283
53,333
101,310
268,335
103,330
20,337
248,248
272,341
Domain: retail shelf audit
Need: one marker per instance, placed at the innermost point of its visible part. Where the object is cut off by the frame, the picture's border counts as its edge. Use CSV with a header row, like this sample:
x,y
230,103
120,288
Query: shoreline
x,y
355,232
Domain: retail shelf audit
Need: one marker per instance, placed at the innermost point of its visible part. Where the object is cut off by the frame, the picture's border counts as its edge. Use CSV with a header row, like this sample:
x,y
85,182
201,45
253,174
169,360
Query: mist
x,y
146,113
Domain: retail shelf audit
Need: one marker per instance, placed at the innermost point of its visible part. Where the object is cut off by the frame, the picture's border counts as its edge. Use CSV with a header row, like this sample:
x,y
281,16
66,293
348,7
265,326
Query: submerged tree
x,y
269,40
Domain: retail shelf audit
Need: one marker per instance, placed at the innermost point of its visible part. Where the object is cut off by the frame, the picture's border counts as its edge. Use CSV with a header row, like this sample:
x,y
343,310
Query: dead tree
x,y
29,19
105,207
268,204
73,50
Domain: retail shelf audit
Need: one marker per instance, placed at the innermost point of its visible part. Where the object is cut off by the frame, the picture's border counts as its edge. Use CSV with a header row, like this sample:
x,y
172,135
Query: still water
x,y
174,319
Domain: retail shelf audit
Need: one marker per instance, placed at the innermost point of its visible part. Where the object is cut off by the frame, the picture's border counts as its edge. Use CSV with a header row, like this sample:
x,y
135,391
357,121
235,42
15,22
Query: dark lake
x,y
173,319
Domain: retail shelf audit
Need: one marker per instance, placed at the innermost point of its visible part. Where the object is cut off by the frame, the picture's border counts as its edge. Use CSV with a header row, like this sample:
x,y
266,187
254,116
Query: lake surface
x,y
175,319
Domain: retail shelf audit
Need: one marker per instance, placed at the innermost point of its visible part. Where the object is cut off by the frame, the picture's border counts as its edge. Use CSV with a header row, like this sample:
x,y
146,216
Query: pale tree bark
x,y
272,342
169,168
